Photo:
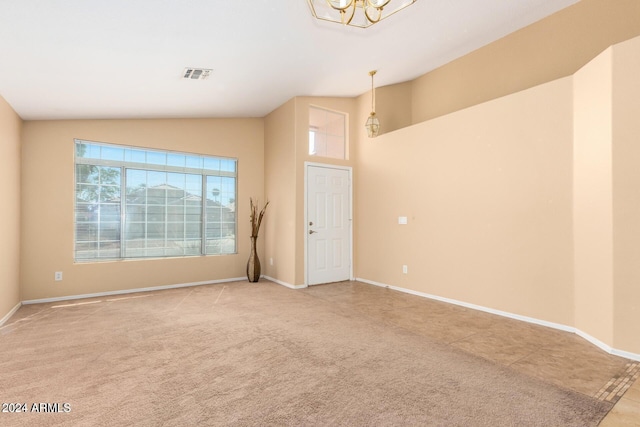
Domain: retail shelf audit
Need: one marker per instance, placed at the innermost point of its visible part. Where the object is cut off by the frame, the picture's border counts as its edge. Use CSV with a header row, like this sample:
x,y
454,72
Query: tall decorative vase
x,y
253,265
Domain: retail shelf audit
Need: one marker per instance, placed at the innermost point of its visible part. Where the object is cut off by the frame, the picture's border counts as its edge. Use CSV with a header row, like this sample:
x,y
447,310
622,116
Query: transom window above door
x,y
327,133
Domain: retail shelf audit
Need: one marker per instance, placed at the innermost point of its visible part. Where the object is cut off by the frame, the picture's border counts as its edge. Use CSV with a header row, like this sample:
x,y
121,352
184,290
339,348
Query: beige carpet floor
x,y
257,354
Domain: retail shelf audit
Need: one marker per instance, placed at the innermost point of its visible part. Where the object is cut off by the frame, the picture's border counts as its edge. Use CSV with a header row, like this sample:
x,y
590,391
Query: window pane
x,y
193,213
136,178
163,208
87,231
212,164
109,193
97,210
112,153
194,184
87,174
136,213
174,159
109,231
135,156
335,147
176,180
88,151
109,212
312,142
327,133
156,158
192,247
155,231
194,162
86,250
87,193
110,250
220,205
228,165
156,213
136,231
321,144
192,230
175,230
173,214
109,176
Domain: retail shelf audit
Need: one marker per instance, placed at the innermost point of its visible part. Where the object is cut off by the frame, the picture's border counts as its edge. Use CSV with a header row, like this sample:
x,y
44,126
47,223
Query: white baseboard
x,y
10,313
606,347
280,282
625,354
592,340
131,291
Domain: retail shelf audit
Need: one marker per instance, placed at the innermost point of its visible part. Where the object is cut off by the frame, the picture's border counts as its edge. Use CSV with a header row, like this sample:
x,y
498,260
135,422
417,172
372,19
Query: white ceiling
x,y
63,59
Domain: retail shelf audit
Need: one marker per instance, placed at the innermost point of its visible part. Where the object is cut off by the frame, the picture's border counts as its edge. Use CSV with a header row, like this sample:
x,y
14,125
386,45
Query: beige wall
x,y
626,195
10,128
592,199
527,204
554,47
393,106
487,193
47,202
280,190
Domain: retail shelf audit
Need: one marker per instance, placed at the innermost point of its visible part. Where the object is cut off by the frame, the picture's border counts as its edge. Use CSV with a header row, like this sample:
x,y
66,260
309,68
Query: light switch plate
x,y
402,220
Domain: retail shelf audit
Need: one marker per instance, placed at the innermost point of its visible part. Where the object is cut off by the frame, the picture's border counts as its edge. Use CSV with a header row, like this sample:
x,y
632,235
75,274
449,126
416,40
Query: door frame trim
x,y
349,170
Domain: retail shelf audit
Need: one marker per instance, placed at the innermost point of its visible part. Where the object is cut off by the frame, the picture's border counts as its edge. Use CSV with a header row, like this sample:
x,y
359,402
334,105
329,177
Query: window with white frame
x,y
139,203
327,133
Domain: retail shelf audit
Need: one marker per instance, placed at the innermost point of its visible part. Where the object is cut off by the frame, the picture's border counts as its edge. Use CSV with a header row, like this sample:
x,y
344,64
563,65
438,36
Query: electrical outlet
x,y
405,269
58,276
270,261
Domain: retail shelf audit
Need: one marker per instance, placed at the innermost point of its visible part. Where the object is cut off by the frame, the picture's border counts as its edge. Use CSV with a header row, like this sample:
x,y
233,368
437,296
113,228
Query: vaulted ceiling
x,y
66,59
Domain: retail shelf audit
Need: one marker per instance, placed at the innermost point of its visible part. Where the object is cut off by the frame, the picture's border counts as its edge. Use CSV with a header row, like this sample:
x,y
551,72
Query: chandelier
x,y
357,13
373,124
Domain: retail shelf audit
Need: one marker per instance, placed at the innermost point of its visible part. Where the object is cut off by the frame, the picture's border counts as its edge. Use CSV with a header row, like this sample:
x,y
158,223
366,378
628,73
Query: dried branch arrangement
x,y
256,219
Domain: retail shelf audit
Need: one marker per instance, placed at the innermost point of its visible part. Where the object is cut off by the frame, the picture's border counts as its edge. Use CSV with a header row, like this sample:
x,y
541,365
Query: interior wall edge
x,y
11,125
10,313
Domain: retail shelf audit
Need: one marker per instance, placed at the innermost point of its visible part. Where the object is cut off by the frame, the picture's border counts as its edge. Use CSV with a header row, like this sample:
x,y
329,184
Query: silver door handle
x,y
311,231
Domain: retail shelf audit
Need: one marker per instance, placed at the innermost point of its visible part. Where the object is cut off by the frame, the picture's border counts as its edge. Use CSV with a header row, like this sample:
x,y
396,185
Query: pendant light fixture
x,y
356,13
372,124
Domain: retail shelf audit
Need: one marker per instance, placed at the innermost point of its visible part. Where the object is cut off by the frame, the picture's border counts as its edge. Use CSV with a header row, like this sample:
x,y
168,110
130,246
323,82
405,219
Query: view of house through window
x,y
327,133
138,203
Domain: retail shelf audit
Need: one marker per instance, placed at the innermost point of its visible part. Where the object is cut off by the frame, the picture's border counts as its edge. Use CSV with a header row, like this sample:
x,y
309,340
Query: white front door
x,y
328,224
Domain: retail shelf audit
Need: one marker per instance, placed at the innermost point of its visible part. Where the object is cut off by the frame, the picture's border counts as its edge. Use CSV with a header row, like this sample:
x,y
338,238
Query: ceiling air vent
x,y
196,73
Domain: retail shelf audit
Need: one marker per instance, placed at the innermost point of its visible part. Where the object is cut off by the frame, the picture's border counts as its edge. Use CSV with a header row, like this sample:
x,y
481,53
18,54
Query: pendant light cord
x,y
373,92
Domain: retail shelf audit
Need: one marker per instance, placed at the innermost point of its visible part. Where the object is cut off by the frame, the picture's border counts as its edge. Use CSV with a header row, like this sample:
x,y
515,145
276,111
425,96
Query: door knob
x,y
311,231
